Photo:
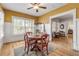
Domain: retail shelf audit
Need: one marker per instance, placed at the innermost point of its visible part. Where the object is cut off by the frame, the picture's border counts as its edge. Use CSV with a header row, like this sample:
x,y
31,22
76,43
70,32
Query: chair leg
x,y
36,52
47,49
31,46
27,49
42,52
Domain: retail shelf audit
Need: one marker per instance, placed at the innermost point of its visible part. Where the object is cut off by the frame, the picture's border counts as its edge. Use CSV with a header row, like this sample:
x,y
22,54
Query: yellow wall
x,y
1,9
9,14
45,18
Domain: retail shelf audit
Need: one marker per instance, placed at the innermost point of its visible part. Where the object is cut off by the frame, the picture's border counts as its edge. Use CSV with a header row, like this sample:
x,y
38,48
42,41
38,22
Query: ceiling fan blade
x,y
35,4
36,10
32,4
42,7
30,8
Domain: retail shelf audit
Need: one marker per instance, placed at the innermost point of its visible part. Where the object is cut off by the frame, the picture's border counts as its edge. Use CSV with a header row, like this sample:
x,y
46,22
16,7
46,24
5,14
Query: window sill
x,y
17,34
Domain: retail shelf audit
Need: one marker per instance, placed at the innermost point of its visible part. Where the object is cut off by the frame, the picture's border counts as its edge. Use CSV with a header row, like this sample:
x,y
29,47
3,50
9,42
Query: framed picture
x,y
62,26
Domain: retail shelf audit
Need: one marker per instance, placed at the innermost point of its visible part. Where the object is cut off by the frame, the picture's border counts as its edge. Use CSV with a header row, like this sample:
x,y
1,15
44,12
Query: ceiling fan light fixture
x,y
35,7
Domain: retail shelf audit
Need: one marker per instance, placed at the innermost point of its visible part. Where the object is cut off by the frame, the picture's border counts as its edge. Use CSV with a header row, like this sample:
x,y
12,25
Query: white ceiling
x,y
22,7
65,17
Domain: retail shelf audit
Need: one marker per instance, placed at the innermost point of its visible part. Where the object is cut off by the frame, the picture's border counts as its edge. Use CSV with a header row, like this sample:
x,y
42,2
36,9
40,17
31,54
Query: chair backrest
x,y
26,37
29,33
45,38
45,35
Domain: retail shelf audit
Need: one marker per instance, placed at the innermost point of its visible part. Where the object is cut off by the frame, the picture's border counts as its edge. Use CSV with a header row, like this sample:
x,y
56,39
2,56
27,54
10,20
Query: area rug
x,y
20,51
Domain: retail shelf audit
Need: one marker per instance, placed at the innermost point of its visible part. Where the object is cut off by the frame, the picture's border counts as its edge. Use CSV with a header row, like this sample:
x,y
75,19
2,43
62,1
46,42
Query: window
x,y
22,25
41,27
1,24
29,25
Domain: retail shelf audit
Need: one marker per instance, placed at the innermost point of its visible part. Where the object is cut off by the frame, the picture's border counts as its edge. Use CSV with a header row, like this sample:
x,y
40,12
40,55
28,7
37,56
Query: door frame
x,y
73,11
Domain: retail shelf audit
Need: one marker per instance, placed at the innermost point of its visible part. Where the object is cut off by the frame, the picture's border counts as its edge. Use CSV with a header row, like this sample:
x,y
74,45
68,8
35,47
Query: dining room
x,y
20,27
26,30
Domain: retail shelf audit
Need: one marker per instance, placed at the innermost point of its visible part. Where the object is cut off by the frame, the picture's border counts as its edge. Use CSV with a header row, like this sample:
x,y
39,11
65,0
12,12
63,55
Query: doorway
x,y
64,23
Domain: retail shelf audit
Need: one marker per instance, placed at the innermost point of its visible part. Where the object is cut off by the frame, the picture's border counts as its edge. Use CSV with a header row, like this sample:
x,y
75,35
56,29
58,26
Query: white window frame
x,y
24,24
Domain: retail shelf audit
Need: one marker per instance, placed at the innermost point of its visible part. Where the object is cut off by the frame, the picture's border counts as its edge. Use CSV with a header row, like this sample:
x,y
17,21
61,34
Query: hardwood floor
x,y
8,48
63,48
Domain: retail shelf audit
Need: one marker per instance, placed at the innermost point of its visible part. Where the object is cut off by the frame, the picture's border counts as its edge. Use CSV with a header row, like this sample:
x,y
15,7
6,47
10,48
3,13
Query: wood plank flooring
x,y
63,48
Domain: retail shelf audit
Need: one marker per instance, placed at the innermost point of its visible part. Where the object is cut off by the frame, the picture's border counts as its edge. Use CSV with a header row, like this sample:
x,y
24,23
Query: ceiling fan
x,y
36,6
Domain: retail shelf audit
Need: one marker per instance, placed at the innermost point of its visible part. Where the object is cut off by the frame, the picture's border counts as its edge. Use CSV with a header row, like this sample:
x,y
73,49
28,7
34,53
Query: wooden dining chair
x,y
29,33
28,42
43,43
